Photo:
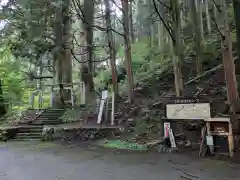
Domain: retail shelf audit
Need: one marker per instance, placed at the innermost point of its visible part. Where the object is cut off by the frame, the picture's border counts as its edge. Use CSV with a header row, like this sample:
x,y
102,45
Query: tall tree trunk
x,y
176,26
88,11
160,30
208,18
62,57
229,66
197,36
67,59
182,24
131,21
236,6
199,12
58,54
127,47
160,36
111,47
86,40
2,104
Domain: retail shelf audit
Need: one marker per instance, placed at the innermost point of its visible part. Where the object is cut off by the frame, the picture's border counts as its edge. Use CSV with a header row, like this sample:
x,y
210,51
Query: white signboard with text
x,y
188,111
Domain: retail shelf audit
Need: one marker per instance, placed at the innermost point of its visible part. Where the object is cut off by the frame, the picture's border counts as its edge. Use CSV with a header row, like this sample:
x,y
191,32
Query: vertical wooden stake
x,y
106,111
83,93
30,98
113,110
72,98
51,98
230,141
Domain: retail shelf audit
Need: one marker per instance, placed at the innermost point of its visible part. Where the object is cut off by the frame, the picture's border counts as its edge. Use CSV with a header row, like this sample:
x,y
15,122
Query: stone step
x,y
51,123
52,112
30,130
48,123
54,109
27,137
29,134
50,115
48,118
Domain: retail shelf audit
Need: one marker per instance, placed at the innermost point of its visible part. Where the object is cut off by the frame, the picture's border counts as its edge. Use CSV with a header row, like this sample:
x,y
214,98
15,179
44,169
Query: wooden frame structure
x,y
55,87
221,127
103,106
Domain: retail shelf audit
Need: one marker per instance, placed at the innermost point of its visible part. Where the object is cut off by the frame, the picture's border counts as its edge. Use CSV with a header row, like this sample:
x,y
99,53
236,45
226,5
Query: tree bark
x,y
131,21
197,36
111,47
67,60
200,16
229,66
176,27
86,41
58,56
127,49
62,55
88,11
208,18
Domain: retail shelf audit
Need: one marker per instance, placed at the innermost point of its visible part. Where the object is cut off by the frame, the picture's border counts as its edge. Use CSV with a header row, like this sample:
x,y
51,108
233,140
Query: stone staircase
x,y
33,130
29,133
49,117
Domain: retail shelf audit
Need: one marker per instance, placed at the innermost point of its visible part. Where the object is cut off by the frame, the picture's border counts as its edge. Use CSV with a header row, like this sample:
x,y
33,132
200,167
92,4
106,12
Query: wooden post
x,y
72,98
83,93
51,98
113,110
106,111
31,99
230,140
42,99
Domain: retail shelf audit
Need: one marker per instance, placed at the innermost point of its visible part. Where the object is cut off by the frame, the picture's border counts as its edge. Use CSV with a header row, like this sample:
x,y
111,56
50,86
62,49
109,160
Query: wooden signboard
x,y
188,111
221,126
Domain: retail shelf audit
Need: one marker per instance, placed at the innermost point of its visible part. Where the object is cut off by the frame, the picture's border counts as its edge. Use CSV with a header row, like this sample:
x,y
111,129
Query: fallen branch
x,y
183,177
186,173
206,73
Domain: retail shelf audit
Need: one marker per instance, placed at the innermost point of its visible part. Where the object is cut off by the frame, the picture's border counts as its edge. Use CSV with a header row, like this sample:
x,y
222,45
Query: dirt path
x,y
45,161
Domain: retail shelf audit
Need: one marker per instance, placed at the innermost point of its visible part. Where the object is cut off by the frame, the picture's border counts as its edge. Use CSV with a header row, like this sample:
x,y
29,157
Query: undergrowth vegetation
x,y
148,62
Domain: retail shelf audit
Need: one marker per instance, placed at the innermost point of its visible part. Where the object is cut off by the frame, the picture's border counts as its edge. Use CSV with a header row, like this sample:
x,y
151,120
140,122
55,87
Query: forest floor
x,y
48,161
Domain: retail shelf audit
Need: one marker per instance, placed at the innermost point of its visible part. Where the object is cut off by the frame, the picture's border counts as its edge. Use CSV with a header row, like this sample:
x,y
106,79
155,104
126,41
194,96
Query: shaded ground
x,y
46,161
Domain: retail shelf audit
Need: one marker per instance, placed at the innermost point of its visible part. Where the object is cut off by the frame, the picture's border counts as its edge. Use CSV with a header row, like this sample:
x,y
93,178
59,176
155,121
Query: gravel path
x,y
31,161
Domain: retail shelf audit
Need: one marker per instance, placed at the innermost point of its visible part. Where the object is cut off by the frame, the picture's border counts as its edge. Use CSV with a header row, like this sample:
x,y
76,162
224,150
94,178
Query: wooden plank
x,y
172,139
83,93
203,146
188,111
217,119
230,141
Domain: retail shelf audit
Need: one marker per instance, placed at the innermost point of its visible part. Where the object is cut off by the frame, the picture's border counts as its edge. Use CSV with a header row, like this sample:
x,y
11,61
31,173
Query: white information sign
x,y
188,111
209,140
104,94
